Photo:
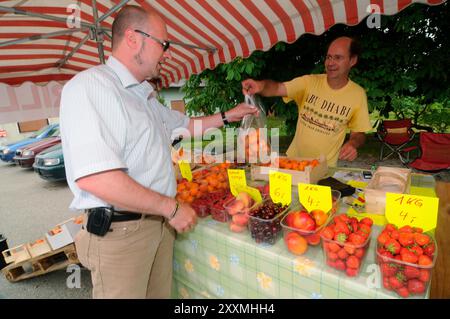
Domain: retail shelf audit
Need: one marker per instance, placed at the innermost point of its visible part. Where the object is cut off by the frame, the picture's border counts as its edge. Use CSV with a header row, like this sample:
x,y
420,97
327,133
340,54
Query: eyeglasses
x,y
165,44
336,58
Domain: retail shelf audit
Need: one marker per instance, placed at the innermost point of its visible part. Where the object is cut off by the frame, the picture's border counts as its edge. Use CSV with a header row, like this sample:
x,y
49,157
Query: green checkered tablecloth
x,y
213,262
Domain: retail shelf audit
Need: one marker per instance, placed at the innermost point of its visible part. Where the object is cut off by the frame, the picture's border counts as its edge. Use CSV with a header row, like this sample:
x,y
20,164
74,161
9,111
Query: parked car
x,y
49,164
25,156
8,152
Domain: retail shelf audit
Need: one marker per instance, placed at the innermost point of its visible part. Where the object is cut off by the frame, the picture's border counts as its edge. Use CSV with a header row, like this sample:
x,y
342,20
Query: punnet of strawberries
x,y
345,242
406,257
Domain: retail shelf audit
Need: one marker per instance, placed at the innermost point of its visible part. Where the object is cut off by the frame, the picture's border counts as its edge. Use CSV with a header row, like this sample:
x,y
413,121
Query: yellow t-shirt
x,y
324,114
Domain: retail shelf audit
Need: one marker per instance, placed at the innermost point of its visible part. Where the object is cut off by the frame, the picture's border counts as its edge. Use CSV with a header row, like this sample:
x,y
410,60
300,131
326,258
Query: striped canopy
x,y
41,42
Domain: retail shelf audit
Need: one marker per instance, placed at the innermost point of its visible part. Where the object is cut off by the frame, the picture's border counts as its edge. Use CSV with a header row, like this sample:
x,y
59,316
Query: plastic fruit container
x,y
264,221
345,257
404,278
202,210
238,218
219,213
312,237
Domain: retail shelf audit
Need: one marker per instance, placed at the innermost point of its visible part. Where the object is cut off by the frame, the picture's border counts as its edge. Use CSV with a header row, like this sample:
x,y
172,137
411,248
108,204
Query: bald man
x,y
116,145
328,104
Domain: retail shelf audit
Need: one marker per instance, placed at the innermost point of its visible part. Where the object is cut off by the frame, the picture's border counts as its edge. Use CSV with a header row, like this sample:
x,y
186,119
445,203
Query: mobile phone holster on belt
x,y
99,220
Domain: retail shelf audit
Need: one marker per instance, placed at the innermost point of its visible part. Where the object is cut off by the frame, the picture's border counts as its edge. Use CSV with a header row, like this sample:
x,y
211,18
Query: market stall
x,y
214,262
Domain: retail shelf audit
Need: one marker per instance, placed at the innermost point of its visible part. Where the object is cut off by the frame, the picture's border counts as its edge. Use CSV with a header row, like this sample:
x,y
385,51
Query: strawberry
x,y
356,239
411,272
331,263
349,249
354,224
333,247
359,252
327,233
416,250
364,229
384,253
344,218
386,283
396,281
417,229
409,257
403,292
340,264
424,260
332,256
341,227
421,239
353,262
424,275
415,286
406,239
342,254
388,269
383,237
429,249
351,272
366,220
389,228
394,234
398,257
406,229
340,237
393,246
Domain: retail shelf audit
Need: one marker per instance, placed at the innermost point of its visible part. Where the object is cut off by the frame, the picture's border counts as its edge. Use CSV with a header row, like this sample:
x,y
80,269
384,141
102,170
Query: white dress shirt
x,y
109,121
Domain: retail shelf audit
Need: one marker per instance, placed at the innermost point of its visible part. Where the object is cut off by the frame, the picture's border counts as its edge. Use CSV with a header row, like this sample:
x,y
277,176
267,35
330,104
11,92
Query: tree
x,y
404,63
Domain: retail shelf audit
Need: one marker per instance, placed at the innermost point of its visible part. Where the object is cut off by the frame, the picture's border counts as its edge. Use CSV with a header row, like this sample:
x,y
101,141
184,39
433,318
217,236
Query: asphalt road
x,y
29,207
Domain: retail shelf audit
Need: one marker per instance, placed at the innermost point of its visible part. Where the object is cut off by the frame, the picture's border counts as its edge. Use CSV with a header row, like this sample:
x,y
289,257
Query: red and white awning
x,y
234,27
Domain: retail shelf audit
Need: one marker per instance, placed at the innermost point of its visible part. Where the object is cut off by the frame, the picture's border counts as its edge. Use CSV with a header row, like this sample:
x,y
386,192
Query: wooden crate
x,y
39,247
385,180
48,262
16,254
309,175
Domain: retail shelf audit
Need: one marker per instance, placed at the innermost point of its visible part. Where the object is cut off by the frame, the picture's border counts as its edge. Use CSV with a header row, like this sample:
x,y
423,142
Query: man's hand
x,y
250,87
239,111
348,152
185,219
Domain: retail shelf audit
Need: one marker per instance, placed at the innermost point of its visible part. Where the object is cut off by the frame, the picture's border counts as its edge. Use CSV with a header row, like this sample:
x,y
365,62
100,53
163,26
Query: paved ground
x,y
30,206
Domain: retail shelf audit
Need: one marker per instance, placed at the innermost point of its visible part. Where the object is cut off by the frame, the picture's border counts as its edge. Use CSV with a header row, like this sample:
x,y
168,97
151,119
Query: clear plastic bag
x,y
253,144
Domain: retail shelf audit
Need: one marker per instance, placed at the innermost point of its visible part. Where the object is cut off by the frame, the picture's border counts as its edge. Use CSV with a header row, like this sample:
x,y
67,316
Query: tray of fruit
x,y
238,209
406,257
264,221
303,170
301,226
345,242
213,204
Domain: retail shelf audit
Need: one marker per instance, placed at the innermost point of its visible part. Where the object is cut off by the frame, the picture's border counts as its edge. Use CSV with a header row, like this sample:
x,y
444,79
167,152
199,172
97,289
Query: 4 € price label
x,y
280,187
237,180
185,169
416,211
314,197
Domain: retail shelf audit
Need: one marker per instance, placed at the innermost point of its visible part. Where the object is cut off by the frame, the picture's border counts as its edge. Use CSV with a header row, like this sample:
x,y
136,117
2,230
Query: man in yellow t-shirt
x,y
328,104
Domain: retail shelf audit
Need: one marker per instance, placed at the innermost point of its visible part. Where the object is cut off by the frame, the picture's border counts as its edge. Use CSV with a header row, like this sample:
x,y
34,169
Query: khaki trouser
x,y
132,261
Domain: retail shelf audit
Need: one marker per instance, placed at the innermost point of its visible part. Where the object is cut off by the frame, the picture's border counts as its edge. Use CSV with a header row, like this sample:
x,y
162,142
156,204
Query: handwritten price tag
x,y
236,179
185,169
280,187
253,192
315,197
416,211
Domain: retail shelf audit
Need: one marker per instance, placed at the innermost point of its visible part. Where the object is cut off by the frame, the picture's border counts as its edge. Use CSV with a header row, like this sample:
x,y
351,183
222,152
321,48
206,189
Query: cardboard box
x,y
64,234
16,254
309,176
39,247
385,180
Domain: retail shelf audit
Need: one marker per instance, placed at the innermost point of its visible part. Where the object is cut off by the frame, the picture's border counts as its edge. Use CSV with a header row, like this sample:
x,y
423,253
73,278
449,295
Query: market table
x,y
213,262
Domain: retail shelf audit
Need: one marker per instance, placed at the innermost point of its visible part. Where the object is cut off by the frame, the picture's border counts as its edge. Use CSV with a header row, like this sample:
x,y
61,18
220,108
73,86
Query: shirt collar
x,y
125,76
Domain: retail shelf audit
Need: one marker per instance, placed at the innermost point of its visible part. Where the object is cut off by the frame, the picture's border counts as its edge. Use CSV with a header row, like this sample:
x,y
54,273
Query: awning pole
x,y
113,9
41,36
43,16
98,35
71,53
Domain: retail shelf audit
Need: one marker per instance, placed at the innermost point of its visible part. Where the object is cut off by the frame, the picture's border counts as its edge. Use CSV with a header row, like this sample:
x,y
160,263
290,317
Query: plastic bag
x,y
253,144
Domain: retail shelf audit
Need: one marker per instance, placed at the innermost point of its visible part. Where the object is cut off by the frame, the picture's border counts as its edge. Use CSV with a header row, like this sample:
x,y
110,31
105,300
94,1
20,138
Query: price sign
x,y
416,211
185,169
315,197
253,192
236,179
280,187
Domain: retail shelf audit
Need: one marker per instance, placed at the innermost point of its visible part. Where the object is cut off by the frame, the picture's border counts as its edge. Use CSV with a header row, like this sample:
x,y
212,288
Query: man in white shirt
x,y
116,145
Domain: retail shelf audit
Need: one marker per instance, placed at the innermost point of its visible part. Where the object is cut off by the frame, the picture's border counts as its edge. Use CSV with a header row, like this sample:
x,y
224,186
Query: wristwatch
x,y
224,118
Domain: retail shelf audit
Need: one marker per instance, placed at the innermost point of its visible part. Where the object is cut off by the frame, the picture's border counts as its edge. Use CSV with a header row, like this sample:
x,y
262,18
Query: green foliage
x,y
404,65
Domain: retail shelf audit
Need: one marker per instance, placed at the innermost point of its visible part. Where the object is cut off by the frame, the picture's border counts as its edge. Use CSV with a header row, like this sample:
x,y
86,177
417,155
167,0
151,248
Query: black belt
x,y
119,216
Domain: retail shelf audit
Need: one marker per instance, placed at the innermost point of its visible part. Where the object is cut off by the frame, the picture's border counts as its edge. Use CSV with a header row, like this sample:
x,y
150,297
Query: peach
x,y
236,228
245,199
240,219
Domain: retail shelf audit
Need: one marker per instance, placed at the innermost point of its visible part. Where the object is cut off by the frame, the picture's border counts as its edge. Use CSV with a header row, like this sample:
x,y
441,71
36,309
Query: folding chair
x,y
434,153
395,135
